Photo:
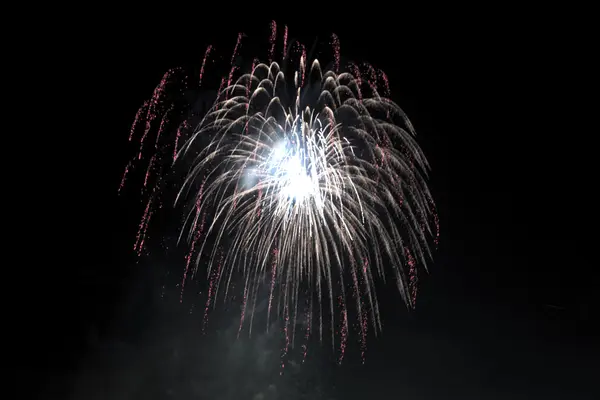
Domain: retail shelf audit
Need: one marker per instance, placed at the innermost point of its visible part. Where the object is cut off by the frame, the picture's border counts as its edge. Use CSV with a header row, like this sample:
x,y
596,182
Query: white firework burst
x,y
310,186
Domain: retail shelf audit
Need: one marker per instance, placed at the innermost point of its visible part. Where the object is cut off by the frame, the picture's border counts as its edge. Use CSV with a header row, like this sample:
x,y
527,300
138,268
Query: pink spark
x,y
215,274
386,83
127,167
335,42
235,52
150,164
286,331
272,40
343,330
163,123
413,278
273,275
285,39
358,77
138,117
206,54
143,227
184,126
243,316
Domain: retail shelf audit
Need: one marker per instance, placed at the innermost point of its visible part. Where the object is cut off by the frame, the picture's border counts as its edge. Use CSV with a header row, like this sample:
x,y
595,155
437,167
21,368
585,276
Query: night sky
x,y
506,309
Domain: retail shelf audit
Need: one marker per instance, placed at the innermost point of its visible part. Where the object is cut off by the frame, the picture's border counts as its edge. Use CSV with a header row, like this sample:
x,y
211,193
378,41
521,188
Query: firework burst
x,y
309,183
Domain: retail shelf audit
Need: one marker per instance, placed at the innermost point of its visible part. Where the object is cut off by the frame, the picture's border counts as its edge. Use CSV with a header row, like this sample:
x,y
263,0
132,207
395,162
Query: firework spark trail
x,y
159,95
413,278
164,122
308,319
197,235
141,113
286,332
143,227
360,305
343,329
335,43
371,77
436,220
302,63
355,70
213,278
124,178
243,315
364,321
386,83
235,53
272,40
150,165
206,55
272,286
285,42
184,126
189,256
154,108
222,85
255,62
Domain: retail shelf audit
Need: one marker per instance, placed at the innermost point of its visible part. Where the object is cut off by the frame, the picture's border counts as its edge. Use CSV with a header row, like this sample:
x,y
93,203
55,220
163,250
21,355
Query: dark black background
x,y
506,311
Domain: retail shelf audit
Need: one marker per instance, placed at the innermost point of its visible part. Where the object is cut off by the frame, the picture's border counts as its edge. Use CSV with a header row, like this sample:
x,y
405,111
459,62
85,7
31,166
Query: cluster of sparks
x,y
310,186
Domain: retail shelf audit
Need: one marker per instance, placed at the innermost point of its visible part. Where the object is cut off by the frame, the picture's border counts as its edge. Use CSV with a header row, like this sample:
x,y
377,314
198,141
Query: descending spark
x,y
206,55
163,124
364,319
302,64
335,42
243,316
286,332
184,126
307,332
355,70
386,83
272,286
285,41
143,227
272,40
343,330
150,164
222,85
213,278
138,118
413,278
235,52
124,178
